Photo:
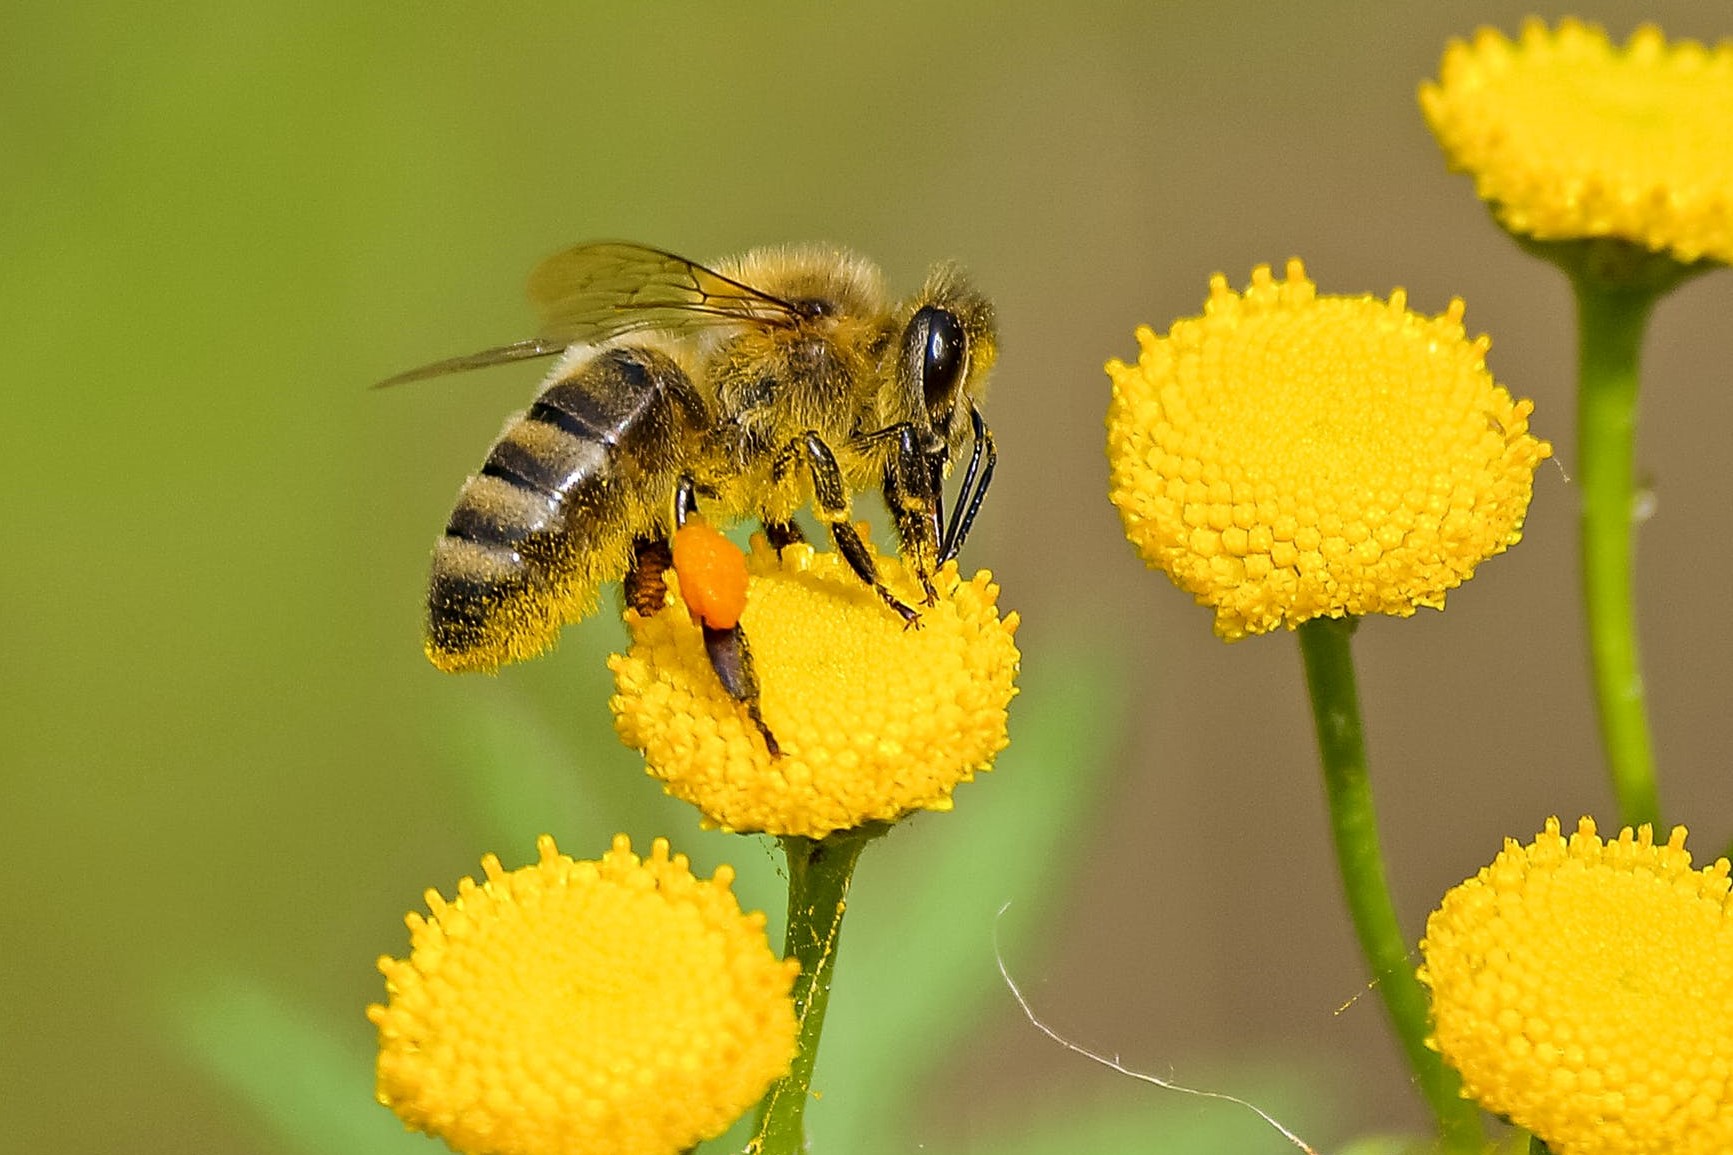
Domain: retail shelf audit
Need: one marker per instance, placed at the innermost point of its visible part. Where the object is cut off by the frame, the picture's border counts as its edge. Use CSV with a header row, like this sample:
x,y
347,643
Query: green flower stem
x,y
1325,644
819,871
1537,1146
1610,321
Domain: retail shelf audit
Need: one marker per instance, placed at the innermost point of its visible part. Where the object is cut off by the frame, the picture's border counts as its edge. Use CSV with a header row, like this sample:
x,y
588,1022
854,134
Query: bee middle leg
x,y
782,534
830,502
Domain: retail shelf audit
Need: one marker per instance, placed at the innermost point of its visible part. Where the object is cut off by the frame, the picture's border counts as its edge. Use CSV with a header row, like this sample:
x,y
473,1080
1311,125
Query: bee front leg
x,y
913,478
830,502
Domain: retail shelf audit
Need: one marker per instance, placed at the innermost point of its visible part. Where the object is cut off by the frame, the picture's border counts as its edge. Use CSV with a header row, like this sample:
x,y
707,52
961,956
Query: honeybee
x,y
780,379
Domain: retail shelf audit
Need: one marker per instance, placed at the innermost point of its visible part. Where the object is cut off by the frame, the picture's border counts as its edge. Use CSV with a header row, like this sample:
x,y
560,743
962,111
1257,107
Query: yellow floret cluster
x,y
1287,455
614,1007
1584,989
1569,136
875,719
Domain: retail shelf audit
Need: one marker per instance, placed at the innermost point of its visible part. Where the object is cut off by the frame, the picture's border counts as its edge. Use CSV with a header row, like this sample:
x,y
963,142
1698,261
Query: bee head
x,y
949,344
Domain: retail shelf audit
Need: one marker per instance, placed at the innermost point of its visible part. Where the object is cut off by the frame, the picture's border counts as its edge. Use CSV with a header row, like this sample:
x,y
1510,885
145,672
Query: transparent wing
x,y
498,355
595,291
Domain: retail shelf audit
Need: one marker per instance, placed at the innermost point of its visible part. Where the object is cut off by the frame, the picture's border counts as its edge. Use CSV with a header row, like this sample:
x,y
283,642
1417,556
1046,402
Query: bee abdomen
x,y
472,587
534,471
553,511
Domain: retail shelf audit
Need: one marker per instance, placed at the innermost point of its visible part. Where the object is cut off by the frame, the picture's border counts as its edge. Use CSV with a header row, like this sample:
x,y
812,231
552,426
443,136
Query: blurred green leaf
x,y
309,1087
525,778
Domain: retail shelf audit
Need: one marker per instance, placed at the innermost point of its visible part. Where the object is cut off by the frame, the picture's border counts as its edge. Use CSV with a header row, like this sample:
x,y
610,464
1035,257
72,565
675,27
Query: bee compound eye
x,y
944,348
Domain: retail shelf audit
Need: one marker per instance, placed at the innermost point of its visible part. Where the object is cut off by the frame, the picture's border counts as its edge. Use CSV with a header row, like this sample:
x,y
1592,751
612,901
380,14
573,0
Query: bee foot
x,y
770,742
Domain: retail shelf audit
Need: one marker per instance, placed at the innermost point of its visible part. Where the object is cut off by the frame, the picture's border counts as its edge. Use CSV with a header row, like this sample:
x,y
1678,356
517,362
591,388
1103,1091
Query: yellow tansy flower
x,y
1288,456
1568,136
1584,989
617,1007
875,719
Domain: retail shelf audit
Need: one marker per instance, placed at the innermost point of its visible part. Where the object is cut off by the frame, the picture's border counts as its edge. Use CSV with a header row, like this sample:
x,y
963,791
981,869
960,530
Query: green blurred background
x,y
228,771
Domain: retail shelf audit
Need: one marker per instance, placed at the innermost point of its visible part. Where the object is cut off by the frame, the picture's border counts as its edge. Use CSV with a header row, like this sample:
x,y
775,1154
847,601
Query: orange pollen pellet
x,y
712,573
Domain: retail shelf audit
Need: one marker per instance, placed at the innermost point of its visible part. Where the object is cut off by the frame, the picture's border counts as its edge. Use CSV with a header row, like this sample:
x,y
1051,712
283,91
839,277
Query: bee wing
x,y
498,355
595,291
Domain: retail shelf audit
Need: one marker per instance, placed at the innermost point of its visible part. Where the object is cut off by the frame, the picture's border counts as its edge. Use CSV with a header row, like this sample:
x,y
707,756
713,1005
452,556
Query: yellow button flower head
x,y
618,1007
1584,989
1288,456
875,719
1571,137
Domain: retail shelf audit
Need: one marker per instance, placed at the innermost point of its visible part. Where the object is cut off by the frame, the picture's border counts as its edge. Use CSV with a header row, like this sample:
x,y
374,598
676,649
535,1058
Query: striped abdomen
x,y
553,512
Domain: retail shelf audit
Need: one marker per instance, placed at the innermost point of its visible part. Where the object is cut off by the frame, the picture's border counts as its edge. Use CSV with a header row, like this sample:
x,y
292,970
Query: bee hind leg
x,y
726,646
731,658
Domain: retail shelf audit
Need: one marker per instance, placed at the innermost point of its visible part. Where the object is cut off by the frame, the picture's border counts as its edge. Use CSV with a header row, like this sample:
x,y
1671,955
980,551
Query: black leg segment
x,y
731,658
830,502
913,490
685,500
782,534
